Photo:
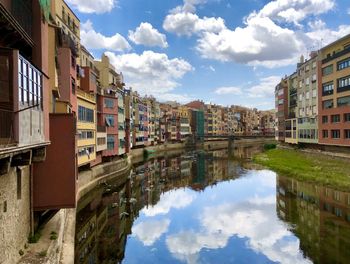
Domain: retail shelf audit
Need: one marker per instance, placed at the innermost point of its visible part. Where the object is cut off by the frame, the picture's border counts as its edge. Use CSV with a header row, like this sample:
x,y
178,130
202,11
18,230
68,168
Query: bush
x,y
270,146
34,238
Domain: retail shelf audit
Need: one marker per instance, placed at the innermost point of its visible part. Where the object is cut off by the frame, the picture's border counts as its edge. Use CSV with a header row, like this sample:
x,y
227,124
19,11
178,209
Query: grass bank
x,y
320,169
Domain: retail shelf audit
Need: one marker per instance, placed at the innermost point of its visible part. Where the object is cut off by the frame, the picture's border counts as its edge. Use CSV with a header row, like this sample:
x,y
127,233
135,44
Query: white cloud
x,y
265,87
188,6
185,23
150,72
93,6
95,40
319,34
294,11
180,98
146,35
150,231
228,90
263,40
173,199
260,41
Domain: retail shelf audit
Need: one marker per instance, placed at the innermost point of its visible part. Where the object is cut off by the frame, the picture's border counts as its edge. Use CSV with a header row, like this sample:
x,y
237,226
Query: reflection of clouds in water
x,y
265,178
173,199
257,200
150,231
255,221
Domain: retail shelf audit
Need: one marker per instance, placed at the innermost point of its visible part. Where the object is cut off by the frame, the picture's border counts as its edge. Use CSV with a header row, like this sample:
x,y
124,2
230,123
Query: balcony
x,y
293,91
343,89
336,55
66,41
329,92
21,116
86,96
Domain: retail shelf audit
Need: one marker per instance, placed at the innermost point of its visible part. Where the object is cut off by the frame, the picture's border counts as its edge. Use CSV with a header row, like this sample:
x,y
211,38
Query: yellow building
x,y
185,127
67,20
86,127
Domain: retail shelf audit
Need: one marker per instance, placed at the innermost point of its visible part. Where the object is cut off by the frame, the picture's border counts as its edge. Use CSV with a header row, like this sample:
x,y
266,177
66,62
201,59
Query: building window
x,y
314,65
327,70
314,77
307,81
347,133
110,120
109,103
335,118
73,85
343,101
120,110
110,142
280,102
343,84
86,151
314,93
327,88
324,119
101,141
300,97
29,84
347,117
327,104
307,95
325,133
85,114
343,64
86,134
335,133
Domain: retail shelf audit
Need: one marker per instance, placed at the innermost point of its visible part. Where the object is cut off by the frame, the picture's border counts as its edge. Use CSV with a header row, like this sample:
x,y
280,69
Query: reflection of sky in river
x,y
231,222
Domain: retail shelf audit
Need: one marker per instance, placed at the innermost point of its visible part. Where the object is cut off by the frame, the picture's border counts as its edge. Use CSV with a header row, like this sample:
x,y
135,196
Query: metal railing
x,y
85,95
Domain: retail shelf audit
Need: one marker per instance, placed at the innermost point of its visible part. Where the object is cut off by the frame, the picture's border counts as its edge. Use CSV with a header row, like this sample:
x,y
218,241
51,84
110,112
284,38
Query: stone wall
x,y
14,214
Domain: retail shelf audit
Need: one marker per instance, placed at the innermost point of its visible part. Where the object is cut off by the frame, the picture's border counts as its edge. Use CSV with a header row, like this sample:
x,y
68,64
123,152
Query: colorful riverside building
x,y
307,100
281,95
24,119
334,93
184,119
291,124
111,107
89,83
140,129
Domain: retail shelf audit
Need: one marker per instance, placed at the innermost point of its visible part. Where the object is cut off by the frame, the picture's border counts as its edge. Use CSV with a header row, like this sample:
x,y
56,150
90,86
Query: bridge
x,y
231,138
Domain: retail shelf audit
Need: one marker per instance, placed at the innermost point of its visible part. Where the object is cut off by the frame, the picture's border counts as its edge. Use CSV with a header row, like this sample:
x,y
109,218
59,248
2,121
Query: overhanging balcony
x,y
21,116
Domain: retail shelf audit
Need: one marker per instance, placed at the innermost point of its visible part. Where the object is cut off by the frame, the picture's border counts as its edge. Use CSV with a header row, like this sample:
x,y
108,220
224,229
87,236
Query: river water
x,y
206,207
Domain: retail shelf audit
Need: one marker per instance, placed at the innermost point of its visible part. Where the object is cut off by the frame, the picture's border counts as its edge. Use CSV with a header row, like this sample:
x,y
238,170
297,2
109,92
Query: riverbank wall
x,y
61,251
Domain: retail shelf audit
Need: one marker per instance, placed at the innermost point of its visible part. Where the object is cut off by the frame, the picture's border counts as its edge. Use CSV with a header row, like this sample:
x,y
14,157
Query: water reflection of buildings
x,y
319,216
105,216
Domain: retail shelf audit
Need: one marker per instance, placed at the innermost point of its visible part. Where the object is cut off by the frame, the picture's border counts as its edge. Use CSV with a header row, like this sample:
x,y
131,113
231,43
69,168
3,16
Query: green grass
x,y
320,169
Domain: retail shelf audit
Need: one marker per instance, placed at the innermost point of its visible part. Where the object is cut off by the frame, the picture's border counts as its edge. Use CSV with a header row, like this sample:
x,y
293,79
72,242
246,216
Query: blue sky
x,y
220,51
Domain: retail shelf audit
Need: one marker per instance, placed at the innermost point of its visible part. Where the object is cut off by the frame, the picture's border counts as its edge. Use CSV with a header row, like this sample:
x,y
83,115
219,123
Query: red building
x,y
334,93
107,116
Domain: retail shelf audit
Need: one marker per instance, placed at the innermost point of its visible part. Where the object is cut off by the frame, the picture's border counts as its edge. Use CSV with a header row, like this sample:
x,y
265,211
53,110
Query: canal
x,y
203,207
